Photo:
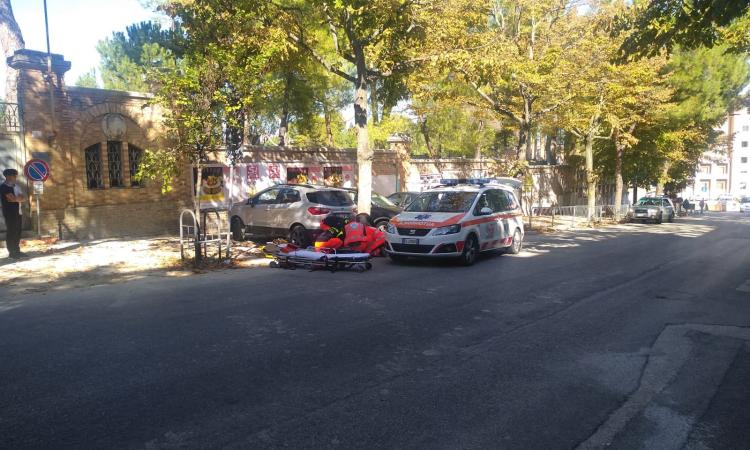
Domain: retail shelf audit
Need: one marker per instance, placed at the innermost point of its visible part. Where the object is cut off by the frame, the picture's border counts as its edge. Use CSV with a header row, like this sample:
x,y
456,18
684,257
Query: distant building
x,y
726,173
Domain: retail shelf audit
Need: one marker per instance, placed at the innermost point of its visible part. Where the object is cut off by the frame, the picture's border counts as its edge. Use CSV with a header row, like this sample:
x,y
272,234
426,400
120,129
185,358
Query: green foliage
x,y
512,58
691,24
209,88
88,80
706,85
126,57
479,77
160,165
449,130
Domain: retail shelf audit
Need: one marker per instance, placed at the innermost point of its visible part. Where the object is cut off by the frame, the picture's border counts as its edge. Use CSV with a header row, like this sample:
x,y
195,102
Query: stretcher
x,y
312,260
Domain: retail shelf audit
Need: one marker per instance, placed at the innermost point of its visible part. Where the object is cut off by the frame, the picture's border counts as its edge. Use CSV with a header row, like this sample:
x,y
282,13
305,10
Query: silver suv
x,y
656,209
289,210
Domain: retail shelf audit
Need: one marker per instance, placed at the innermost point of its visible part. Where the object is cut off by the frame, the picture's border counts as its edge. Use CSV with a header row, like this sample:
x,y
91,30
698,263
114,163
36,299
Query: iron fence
x,y
10,117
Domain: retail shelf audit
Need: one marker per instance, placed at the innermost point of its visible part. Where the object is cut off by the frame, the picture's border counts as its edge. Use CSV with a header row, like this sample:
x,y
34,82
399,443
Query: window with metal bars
x,y
93,157
135,156
114,158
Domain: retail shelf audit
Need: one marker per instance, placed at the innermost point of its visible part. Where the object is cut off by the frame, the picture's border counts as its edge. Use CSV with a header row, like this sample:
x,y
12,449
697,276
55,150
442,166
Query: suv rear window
x,y
330,198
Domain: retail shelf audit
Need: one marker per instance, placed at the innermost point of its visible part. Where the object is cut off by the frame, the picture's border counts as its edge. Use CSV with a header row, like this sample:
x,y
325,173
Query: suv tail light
x,y
316,211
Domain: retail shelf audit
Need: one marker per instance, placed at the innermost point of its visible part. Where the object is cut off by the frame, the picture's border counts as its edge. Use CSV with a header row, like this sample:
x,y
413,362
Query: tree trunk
x,y
374,103
246,130
619,148
635,191
522,141
197,211
329,129
364,152
426,134
590,177
619,185
284,124
664,175
478,149
11,40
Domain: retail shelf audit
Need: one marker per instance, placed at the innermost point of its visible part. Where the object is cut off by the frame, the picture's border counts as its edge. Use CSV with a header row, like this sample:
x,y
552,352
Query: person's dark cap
x,y
10,173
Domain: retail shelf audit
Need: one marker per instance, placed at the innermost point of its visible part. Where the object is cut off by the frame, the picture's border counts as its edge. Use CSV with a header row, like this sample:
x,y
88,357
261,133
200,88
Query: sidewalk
x,y
72,264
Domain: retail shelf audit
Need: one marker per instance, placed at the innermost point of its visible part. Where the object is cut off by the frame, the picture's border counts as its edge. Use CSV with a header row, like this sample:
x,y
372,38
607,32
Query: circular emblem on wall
x,y
114,127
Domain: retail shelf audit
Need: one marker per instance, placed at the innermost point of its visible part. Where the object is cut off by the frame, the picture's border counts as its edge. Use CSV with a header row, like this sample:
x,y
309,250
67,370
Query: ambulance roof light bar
x,y
457,181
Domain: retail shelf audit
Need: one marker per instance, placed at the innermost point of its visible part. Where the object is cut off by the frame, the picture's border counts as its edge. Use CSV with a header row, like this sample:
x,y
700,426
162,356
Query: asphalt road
x,y
633,337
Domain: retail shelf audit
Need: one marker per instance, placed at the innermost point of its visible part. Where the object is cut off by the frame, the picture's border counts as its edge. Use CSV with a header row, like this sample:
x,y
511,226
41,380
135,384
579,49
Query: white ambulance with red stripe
x,y
459,219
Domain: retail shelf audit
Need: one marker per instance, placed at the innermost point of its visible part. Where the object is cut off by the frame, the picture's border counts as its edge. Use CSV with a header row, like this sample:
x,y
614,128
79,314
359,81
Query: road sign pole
x,y
38,218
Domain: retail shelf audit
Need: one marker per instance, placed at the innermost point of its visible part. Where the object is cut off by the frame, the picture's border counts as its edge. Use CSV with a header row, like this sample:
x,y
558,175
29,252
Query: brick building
x,y
93,141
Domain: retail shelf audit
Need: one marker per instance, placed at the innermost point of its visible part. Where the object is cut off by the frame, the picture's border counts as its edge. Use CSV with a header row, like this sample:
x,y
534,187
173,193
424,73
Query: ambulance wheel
x,y
238,229
298,236
517,244
368,266
471,251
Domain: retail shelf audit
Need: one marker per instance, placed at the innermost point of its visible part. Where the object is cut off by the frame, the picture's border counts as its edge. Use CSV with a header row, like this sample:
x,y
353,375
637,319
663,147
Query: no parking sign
x,y
36,170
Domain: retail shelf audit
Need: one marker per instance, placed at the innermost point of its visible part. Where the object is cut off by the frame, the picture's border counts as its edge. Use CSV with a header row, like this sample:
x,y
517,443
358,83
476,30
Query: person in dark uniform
x,y
11,198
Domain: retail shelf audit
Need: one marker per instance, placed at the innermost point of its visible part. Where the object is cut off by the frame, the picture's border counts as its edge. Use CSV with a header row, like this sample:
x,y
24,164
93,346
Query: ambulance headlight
x,y
442,231
390,228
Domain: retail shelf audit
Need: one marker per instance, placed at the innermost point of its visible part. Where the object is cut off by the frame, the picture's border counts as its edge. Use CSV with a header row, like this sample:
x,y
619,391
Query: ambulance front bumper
x,y
448,246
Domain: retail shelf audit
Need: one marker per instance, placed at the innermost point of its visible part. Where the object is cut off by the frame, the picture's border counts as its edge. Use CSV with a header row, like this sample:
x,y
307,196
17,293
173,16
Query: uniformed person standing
x,y
11,198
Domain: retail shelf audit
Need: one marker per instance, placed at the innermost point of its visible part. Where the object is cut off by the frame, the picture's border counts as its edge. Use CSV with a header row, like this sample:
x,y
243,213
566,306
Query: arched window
x,y
135,156
114,158
93,156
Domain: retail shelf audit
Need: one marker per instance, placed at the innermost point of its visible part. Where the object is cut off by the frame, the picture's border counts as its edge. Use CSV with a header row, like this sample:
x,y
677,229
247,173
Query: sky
x,y
76,26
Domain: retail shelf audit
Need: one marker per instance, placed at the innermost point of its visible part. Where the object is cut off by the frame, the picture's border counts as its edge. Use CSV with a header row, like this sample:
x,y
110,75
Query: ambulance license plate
x,y
411,241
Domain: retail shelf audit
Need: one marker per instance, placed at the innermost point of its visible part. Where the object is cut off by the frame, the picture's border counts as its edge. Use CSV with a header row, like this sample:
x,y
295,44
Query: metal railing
x,y
208,232
10,117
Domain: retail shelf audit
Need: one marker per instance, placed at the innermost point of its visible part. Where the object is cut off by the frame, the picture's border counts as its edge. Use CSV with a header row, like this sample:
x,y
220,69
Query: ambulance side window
x,y
483,202
498,202
512,202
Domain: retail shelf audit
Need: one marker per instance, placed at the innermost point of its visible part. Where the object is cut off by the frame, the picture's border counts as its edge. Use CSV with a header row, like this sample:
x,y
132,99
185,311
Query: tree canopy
x,y
633,90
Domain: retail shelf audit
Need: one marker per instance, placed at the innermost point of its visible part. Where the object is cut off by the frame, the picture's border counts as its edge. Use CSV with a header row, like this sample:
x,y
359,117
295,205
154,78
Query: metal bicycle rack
x,y
208,231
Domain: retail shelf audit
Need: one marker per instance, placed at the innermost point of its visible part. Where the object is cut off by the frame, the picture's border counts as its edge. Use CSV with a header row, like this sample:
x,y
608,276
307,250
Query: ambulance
x,y
459,219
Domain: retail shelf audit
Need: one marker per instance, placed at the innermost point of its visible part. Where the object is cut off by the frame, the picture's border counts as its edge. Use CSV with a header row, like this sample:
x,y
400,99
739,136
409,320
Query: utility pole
x,y
50,79
53,131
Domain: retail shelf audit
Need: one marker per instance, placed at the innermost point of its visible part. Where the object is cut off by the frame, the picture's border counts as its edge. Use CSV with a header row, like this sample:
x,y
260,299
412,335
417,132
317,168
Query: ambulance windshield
x,y
442,202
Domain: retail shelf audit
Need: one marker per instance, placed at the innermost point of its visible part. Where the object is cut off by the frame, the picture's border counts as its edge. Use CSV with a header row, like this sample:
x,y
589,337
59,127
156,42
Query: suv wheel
x,y
659,219
471,251
298,236
382,225
238,229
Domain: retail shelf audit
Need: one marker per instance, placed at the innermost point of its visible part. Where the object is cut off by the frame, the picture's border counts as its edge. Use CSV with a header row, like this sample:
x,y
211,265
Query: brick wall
x,y
69,204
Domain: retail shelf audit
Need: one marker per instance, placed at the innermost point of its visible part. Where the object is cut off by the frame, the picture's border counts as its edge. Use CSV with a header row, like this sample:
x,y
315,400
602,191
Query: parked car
x,y
656,209
382,209
293,211
745,204
728,202
402,199
457,221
